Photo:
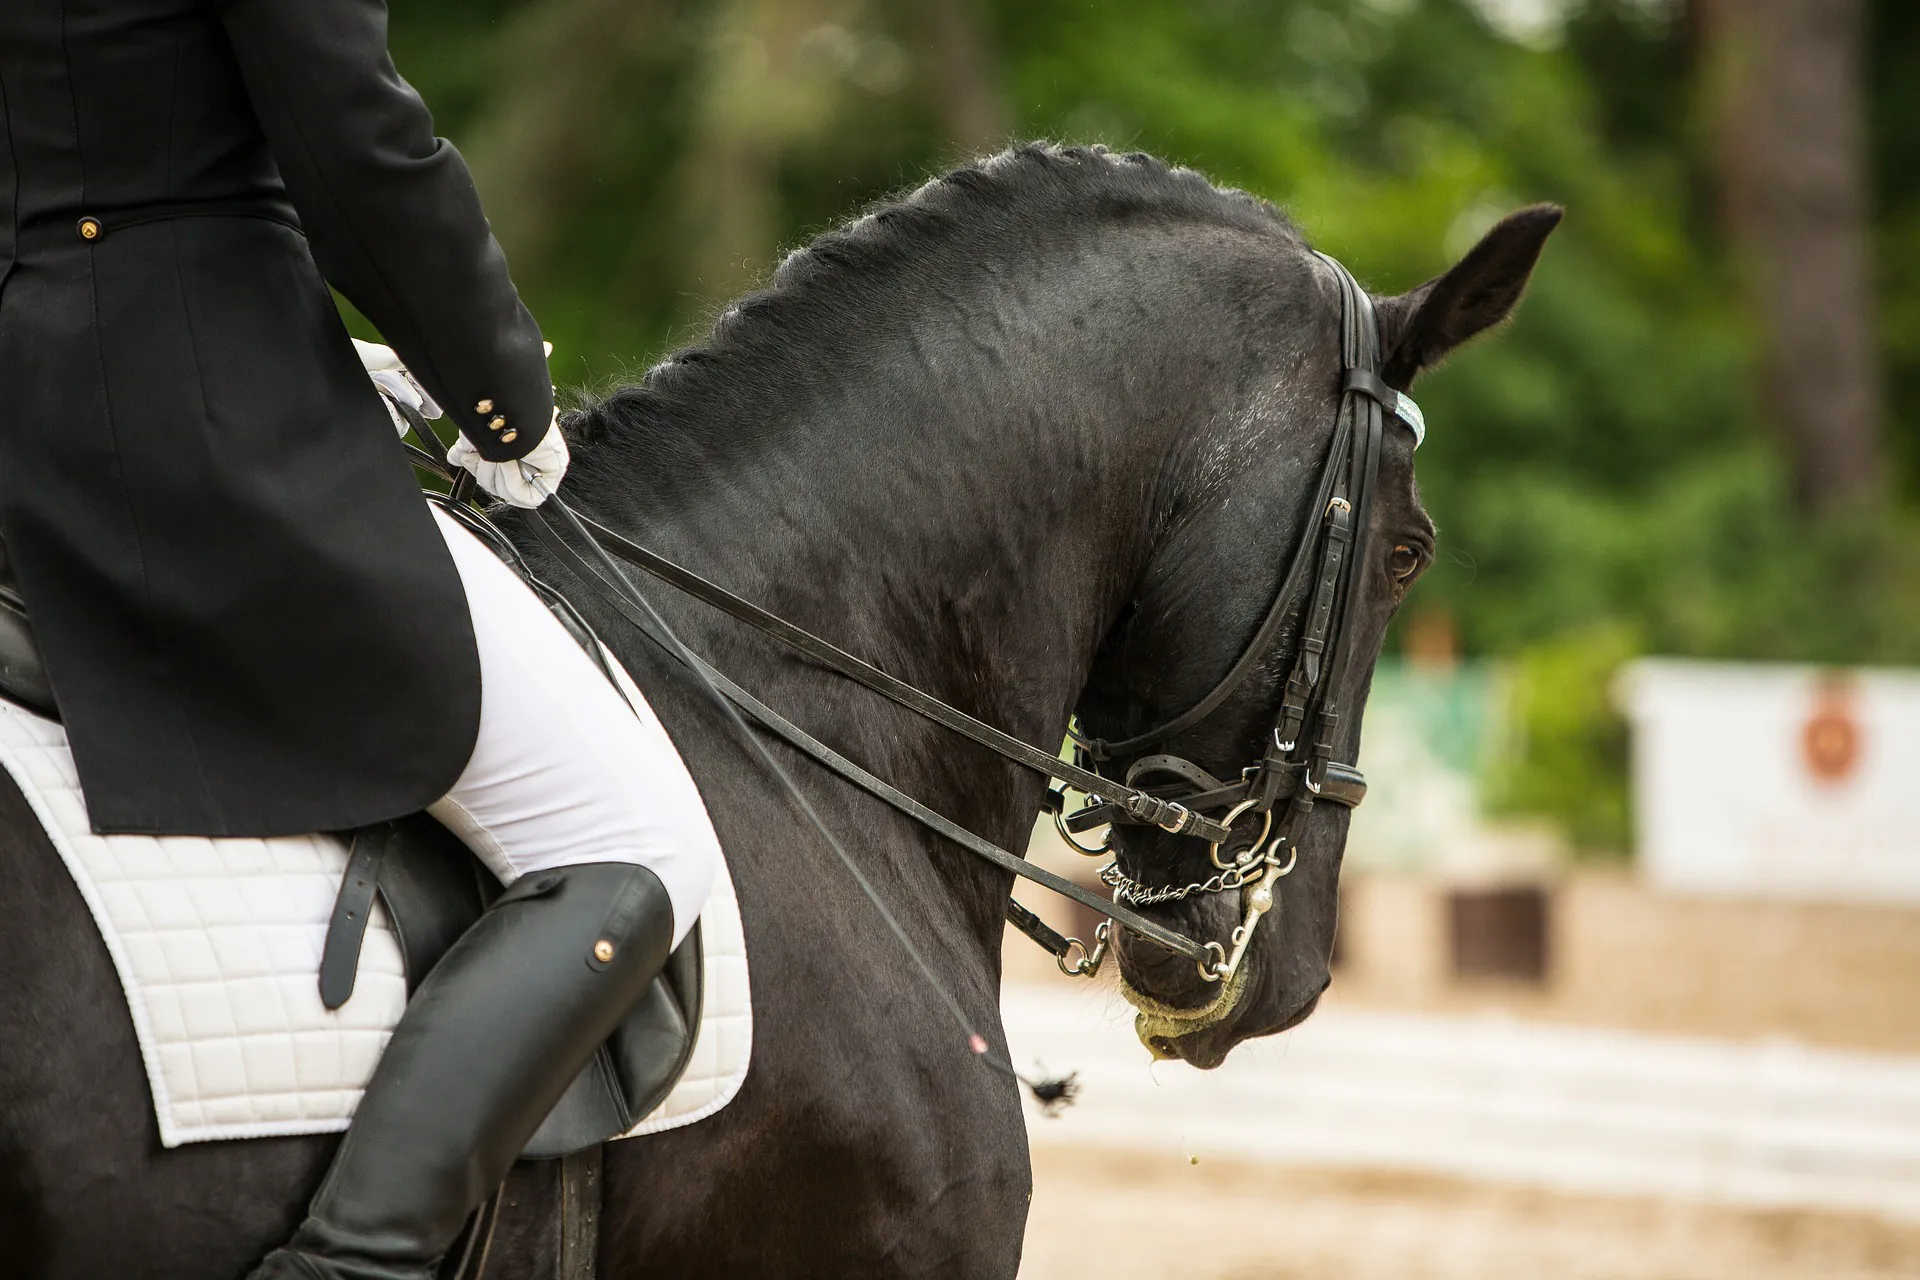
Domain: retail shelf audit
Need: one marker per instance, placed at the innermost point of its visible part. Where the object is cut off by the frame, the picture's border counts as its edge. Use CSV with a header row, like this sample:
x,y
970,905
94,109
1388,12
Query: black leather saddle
x,y
23,676
433,889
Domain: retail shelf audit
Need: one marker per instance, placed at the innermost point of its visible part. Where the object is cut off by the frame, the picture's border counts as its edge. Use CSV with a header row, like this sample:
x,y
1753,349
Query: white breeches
x,y
564,771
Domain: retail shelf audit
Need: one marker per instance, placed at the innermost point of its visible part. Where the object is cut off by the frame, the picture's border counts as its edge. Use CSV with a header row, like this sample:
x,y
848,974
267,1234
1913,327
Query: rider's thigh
x,y
564,771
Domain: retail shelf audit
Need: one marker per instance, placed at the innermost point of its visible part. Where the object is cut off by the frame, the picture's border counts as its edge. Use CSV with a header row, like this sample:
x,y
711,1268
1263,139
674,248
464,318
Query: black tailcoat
x,y
251,624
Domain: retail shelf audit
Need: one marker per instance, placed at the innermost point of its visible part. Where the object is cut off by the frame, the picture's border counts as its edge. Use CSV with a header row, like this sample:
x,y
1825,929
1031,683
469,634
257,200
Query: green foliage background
x,y
1604,479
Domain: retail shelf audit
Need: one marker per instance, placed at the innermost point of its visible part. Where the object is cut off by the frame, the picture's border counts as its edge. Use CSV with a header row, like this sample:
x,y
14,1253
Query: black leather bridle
x,y
1297,766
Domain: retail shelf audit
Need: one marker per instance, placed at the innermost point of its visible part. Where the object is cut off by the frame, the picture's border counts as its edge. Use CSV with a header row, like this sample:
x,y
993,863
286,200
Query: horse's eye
x,y
1403,562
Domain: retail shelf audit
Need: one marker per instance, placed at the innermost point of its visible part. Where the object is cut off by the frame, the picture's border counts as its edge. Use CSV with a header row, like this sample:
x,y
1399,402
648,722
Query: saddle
x,y
23,675
433,889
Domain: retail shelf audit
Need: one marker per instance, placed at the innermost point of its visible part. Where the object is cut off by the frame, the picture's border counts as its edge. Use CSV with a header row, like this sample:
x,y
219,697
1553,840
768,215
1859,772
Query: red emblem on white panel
x,y
1831,741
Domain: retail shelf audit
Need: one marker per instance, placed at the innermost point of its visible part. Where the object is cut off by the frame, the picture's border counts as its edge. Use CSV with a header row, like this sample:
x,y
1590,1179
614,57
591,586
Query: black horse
x,y
1038,438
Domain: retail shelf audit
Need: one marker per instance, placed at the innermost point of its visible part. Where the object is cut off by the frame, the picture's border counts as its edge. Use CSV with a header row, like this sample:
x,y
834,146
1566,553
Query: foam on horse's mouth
x,y
1158,1020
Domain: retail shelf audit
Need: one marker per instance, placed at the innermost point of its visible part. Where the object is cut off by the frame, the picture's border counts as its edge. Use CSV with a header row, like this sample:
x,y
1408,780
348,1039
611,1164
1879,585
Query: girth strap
x,y
580,1200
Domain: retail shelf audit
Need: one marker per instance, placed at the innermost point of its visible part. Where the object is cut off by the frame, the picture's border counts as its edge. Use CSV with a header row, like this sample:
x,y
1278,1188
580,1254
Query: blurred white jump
x,y
1761,1123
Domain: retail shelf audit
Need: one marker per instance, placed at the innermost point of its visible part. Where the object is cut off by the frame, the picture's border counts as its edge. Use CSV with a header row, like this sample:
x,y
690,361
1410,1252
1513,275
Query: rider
x,y
252,622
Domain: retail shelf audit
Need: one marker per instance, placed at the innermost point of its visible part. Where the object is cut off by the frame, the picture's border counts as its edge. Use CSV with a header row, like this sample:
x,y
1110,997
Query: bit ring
x,y
1253,850
1090,958
1060,825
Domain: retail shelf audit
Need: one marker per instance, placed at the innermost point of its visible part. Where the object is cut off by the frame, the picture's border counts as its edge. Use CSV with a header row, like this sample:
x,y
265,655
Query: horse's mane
x,y
799,329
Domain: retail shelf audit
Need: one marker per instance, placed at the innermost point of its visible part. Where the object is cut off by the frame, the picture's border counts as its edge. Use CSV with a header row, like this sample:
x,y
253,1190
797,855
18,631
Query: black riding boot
x,y
488,1044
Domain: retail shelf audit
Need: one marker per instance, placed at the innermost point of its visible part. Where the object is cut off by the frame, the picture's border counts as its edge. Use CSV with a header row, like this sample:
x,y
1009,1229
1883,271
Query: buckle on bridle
x,y
1169,815
1177,818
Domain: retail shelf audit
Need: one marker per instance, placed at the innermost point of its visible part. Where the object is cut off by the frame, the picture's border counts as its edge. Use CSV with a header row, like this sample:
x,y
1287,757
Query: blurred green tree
x,y
1608,468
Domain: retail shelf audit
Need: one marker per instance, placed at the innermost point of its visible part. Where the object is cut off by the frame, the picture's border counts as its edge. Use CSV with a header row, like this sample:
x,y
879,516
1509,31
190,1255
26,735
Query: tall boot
x,y
488,1044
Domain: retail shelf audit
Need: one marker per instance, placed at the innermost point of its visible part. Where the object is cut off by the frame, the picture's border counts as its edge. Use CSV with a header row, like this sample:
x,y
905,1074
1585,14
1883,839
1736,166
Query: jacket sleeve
x,y
392,214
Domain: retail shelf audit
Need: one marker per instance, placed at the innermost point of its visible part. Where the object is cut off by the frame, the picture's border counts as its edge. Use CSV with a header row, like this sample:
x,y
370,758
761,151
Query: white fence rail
x,y
1762,1123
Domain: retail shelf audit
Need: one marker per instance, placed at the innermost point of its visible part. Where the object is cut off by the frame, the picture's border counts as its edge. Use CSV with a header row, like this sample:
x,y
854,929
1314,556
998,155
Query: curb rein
x,y
1286,771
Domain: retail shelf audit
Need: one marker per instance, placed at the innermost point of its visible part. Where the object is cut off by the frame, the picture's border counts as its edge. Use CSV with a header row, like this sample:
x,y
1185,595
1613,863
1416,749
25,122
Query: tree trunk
x,y
1784,76
962,74
776,81
534,153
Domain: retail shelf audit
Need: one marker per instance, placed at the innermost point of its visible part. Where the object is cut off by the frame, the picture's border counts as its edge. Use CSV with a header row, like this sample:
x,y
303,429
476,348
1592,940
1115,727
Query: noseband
x,y
1297,770
1297,767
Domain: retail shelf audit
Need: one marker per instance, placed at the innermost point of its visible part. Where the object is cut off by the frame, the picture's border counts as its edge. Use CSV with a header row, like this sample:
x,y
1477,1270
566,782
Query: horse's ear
x,y
1418,328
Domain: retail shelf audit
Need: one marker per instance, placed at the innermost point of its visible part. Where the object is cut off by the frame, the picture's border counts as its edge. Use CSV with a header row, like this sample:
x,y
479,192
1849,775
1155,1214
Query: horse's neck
x,y
965,496
979,560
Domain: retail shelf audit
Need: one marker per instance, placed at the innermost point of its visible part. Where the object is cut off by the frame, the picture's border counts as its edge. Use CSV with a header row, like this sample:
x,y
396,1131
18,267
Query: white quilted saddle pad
x,y
217,944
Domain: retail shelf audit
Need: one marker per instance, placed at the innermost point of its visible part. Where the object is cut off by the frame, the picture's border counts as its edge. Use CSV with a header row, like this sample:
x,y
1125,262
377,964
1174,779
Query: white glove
x,y
384,367
524,482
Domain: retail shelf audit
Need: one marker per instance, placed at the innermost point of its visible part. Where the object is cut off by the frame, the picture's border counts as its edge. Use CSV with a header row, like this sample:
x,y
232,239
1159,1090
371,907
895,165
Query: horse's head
x,y
1248,504
1050,432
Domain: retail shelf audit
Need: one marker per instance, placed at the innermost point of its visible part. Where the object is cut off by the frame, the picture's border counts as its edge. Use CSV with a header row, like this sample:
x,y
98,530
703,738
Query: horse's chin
x,y
1178,1031
1203,1035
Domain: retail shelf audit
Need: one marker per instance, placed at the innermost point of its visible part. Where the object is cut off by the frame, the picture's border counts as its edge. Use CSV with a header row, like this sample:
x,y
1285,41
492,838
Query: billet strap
x,y
478,1250
347,930
796,737
580,1198
575,1253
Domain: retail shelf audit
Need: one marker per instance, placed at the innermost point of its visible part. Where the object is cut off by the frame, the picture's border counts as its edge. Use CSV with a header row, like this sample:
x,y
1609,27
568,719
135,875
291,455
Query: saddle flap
x,y
433,889
652,1045
631,1073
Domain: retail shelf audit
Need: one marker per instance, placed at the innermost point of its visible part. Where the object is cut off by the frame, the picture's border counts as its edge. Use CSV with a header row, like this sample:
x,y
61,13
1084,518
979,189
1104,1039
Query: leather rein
x,y
1297,767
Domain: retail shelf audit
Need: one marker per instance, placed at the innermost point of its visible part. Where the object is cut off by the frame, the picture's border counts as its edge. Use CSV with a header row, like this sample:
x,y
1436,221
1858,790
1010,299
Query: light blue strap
x,y
1409,412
